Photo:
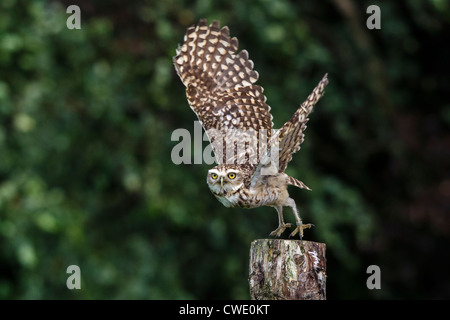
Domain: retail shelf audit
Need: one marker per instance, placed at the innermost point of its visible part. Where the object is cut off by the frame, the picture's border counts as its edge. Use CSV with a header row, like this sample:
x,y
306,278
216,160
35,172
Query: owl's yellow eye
x,y
232,175
214,176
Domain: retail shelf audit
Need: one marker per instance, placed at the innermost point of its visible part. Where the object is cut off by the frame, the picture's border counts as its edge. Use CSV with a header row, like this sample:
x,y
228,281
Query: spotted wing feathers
x,y
291,134
221,91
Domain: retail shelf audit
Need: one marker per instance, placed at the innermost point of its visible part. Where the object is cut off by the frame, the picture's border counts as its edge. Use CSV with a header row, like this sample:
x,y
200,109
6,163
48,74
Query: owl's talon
x,y
278,231
299,229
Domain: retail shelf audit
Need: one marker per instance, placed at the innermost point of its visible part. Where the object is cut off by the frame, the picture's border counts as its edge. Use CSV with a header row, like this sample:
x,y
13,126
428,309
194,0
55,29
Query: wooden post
x,y
287,270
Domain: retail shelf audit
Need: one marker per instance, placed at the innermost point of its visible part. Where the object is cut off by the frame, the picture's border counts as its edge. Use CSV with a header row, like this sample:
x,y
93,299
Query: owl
x,y
251,156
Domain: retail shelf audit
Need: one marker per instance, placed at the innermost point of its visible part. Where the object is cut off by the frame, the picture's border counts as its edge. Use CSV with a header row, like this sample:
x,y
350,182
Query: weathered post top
x,y
287,270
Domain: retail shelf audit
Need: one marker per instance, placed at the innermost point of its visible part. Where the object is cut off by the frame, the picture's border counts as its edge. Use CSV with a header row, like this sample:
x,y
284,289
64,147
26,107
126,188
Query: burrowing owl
x,y
251,156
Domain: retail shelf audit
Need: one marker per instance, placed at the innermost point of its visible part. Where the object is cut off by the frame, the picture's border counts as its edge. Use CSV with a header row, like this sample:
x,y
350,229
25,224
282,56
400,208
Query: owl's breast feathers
x,y
271,191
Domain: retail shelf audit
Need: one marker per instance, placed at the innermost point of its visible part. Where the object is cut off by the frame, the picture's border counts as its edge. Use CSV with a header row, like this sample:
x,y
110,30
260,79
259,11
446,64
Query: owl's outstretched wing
x,y
291,135
287,140
221,91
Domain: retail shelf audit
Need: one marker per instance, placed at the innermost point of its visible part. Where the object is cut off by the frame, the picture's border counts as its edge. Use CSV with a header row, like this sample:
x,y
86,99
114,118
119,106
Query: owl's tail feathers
x,y
297,183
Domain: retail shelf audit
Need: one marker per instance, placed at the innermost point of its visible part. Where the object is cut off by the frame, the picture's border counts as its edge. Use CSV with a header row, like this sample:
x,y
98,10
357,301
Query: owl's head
x,y
222,179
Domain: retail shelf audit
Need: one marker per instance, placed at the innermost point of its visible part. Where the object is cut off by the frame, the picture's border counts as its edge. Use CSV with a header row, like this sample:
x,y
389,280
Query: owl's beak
x,y
221,182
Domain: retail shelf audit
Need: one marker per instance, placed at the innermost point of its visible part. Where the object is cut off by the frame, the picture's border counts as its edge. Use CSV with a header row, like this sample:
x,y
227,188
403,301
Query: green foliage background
x,y
86,177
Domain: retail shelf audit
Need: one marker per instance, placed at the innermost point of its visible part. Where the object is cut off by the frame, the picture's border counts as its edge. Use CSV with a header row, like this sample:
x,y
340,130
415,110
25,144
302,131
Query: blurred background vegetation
x,y
86,177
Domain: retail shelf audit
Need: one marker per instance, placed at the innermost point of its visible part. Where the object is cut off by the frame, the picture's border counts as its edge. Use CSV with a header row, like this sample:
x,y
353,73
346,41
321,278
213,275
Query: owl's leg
x,y
300,225
281,225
